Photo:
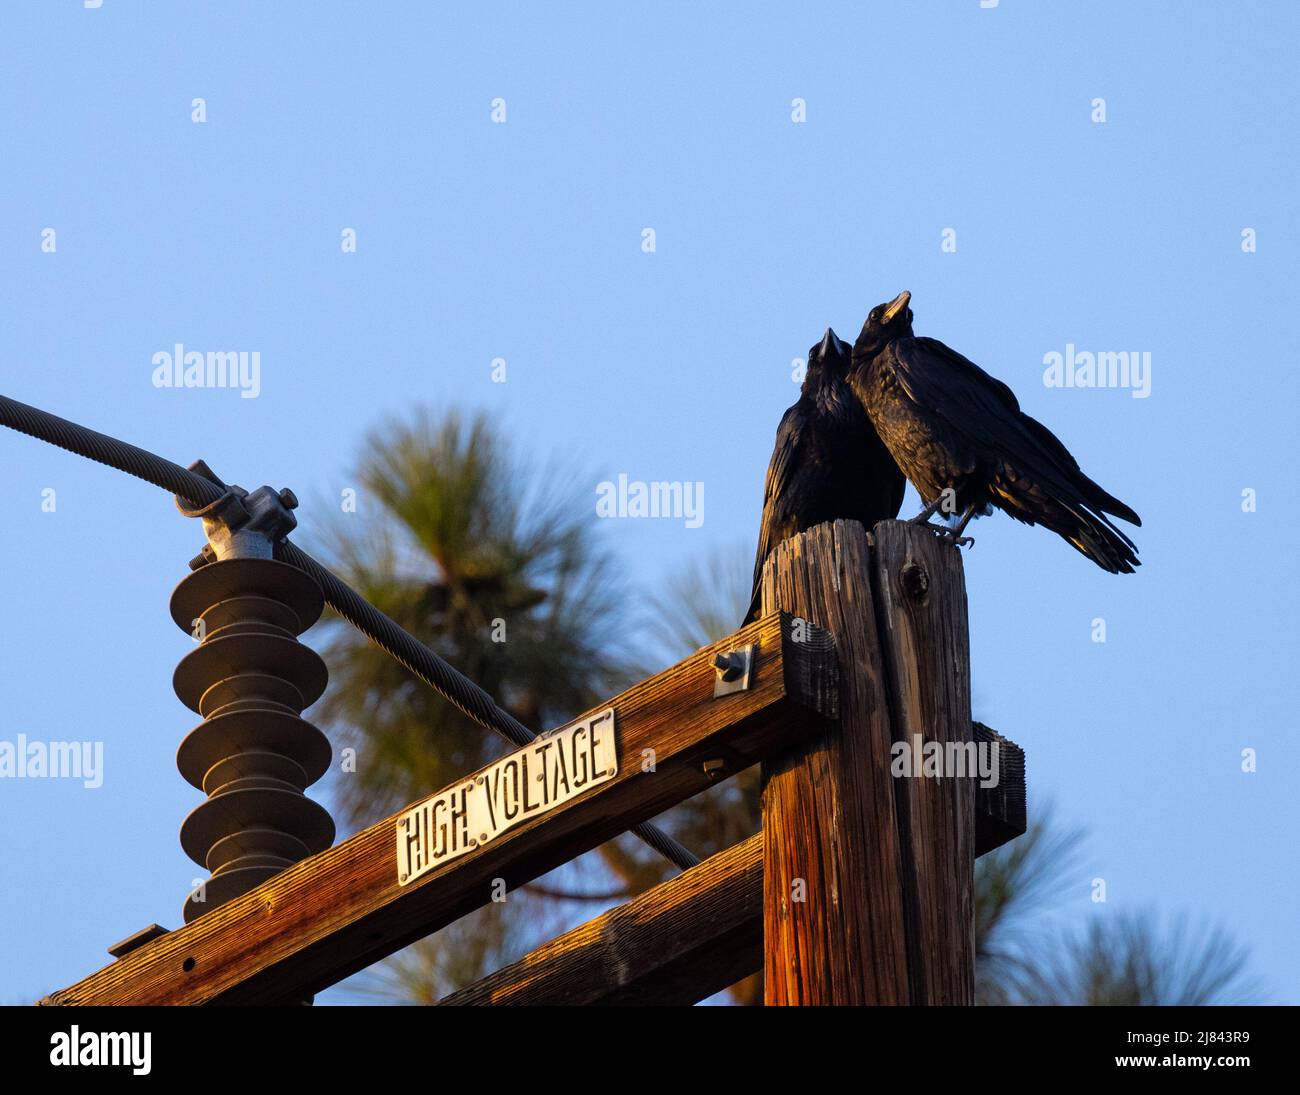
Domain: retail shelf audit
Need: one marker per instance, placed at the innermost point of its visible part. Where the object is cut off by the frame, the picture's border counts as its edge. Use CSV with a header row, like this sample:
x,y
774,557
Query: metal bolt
x,y
289,499
727,666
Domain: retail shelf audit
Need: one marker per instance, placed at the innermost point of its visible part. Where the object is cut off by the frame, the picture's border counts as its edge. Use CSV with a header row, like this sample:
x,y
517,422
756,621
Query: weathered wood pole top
x,y
868,878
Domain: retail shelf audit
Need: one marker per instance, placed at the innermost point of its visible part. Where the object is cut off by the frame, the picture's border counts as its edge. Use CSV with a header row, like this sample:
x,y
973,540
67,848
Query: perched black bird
x,y
952,427
828,462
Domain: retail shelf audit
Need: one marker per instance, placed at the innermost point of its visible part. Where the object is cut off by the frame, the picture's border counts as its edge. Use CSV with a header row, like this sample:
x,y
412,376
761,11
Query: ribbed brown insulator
x,y
253,755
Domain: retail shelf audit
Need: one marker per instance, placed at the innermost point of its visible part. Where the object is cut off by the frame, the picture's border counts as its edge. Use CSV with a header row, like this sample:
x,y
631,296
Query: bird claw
x,y
944,533
955,540
954,537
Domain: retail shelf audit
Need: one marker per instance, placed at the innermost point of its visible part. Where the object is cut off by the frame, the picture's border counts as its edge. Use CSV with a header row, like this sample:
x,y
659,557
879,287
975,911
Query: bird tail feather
x,y
1080,521
1103,502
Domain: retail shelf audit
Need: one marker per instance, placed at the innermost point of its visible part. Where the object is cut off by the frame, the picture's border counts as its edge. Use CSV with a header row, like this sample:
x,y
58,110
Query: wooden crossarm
x,y
701,931
343,909
677,943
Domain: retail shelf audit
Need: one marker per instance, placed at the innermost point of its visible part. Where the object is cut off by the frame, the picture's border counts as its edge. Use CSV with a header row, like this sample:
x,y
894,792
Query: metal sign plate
x,y
544,774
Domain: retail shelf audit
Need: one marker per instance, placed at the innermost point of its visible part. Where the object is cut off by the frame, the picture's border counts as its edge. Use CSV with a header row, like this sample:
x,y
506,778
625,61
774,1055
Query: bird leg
x,y
953,536
958,539
923,518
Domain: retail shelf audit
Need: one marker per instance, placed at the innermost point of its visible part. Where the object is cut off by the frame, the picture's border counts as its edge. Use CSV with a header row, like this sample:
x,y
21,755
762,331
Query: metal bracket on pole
x,y
733,668
241,524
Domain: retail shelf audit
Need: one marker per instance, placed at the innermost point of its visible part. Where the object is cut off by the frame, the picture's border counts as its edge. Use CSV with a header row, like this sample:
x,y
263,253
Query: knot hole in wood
x,y
915,580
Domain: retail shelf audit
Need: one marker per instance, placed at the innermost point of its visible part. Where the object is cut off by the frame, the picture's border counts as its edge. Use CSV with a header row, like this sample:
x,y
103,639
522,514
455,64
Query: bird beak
x,y
897,305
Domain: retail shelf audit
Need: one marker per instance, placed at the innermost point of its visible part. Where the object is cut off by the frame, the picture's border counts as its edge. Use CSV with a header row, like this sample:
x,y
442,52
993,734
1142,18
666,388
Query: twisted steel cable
x,y
456,688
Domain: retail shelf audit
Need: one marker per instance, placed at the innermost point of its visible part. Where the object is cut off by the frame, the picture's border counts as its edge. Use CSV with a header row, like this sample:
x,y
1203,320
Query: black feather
x,y
828,462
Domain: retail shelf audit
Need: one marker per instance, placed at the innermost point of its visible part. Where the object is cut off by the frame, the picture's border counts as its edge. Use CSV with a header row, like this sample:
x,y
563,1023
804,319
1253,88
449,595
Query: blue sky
x,y
523,241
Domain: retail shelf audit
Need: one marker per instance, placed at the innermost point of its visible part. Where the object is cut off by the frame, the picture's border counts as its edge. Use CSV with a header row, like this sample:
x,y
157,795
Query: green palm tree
x,y
1016,886
1025,955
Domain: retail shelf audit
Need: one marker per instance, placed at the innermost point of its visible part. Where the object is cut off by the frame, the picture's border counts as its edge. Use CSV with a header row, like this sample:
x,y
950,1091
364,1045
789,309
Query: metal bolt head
x,y
289,499
733,668
727,666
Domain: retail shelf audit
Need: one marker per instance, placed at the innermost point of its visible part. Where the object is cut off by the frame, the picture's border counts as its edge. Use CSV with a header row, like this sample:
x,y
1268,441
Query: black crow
x,y
959,435
828,462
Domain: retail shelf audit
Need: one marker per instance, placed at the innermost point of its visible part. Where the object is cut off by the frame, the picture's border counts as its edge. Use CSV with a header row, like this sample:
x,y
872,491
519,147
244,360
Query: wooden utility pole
x,y
868,876
920,600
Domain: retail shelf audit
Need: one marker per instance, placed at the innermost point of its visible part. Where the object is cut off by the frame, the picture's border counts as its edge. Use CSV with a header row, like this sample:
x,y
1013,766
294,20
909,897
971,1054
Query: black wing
x,y
779,494
1034,477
